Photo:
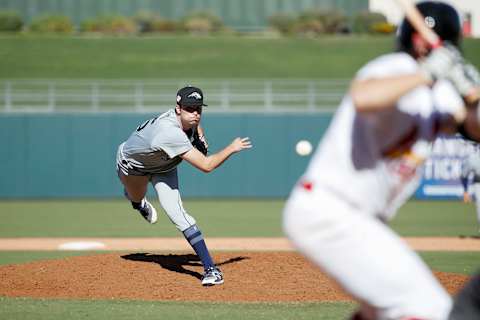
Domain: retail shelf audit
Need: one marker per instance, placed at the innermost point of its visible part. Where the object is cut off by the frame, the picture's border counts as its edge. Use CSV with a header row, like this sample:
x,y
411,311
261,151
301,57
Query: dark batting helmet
x,y
440,17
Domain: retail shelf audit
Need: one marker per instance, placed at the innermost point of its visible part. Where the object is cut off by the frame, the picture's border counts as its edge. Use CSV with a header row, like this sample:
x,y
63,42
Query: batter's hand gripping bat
x,y
413,15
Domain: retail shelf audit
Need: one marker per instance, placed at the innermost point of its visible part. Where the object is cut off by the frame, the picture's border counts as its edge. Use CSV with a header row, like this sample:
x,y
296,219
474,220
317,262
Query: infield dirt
x,y
249,276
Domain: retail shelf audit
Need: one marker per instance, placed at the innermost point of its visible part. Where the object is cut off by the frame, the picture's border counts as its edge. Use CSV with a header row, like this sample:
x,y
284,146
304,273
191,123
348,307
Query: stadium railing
x,y
143,96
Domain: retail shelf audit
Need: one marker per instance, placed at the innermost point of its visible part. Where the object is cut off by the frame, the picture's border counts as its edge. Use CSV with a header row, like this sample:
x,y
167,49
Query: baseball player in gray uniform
x,y
470,179
152,154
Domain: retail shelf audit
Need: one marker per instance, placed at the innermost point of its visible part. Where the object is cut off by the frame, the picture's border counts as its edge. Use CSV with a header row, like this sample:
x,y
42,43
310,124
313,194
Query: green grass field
x,y
104,309
218,218
179,57
247,218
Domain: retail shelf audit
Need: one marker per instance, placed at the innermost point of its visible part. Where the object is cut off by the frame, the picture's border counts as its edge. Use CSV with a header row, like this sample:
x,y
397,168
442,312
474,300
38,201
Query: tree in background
x,y
52,24
10,21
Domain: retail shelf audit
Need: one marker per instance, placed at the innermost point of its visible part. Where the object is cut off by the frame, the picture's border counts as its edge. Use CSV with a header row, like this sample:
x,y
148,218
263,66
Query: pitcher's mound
x,y
249,276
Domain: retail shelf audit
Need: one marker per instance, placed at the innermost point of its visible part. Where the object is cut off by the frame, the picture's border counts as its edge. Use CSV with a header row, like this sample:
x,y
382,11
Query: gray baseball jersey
x,y
471,169
154,147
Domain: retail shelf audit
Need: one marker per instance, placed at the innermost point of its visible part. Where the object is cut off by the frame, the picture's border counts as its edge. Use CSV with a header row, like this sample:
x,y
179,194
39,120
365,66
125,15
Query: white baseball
x,y
303,148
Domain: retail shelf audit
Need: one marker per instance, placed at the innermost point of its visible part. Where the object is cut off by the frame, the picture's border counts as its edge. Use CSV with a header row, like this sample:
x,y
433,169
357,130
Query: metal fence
x,y
57,95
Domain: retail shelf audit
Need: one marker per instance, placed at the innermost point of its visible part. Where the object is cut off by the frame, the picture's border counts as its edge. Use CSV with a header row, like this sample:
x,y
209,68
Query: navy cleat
x,y
148,212
212,276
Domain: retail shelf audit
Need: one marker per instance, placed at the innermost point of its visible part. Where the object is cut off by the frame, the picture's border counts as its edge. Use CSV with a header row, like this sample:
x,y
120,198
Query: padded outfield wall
x,y
238,14
73,155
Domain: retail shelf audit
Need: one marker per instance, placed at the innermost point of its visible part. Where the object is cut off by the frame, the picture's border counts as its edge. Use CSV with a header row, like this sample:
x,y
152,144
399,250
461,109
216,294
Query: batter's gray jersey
x,y
154,147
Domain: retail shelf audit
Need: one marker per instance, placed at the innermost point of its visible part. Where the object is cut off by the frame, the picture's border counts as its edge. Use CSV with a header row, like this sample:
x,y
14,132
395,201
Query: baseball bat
x,y
418,23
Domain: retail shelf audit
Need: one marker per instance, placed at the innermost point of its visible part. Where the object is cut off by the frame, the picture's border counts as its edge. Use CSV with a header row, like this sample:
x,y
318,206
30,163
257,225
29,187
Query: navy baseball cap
x,y
190,97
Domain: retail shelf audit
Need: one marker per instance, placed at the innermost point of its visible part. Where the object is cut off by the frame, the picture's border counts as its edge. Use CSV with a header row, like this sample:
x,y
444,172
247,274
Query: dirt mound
x,y
249,276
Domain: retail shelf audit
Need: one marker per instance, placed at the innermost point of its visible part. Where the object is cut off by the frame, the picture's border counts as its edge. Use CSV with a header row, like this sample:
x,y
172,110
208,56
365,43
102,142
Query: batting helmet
x,y
439,16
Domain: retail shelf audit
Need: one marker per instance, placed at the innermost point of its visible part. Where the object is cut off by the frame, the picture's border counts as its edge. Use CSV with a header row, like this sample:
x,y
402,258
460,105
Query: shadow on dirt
x,y
177,262
469,237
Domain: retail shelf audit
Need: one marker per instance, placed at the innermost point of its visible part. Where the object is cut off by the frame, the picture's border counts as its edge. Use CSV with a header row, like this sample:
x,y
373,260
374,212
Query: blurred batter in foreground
x,y
367,166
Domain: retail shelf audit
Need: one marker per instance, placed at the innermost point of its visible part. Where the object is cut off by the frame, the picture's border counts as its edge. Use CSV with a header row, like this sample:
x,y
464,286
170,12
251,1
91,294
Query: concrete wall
x,y
59,156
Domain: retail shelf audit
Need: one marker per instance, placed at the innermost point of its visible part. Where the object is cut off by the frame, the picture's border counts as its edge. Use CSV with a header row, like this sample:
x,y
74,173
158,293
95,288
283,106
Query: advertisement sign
x,y
442,171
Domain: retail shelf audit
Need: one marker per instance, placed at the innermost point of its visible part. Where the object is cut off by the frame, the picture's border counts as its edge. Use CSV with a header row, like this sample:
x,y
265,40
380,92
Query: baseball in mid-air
x,y
303,148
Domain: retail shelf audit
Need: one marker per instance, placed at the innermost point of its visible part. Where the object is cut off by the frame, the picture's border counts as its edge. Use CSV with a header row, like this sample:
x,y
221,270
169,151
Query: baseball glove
x,y
199,143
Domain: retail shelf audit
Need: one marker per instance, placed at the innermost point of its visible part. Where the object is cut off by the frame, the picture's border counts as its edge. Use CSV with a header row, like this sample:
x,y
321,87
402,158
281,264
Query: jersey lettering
x,y
143,125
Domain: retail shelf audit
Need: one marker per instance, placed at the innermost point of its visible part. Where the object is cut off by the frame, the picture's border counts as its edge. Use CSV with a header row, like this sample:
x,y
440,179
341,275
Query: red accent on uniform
x,y
307,185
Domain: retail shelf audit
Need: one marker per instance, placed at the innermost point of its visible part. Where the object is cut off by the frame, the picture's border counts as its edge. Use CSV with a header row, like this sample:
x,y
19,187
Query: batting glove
x,y
463,78
472,73
439,63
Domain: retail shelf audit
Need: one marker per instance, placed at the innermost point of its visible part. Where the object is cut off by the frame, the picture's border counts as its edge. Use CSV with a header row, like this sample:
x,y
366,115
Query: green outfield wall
x,y
238,14
73,155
